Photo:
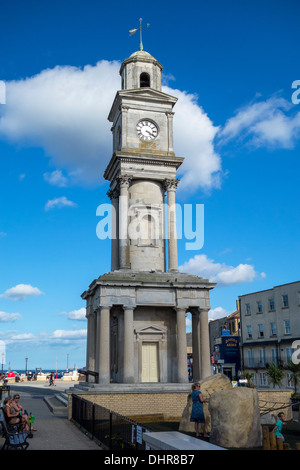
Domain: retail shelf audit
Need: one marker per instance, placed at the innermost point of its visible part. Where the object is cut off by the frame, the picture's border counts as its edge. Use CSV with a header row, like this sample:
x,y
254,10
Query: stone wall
x,y
276,399
170,405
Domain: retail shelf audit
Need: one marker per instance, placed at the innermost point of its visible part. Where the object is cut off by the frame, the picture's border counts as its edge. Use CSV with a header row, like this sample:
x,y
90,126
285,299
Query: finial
x,y
132,31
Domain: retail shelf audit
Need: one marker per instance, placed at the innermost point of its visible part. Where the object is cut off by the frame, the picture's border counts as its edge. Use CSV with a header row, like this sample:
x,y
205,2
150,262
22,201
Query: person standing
x,y
197,414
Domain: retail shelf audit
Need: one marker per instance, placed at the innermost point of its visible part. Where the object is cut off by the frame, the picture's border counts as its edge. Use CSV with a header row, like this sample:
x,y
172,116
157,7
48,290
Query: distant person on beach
x,y
51,379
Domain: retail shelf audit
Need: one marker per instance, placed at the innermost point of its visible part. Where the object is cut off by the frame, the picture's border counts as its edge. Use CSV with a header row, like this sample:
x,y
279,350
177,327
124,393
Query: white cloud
x,y
67,335
264,123
9,317
216,313
64,111
79,314
194,135
58,203
221,273
22,337
21,292
56,178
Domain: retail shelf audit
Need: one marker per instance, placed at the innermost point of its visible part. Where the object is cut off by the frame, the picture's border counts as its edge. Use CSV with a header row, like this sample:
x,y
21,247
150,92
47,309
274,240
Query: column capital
x,y
128,307
170,184
124,180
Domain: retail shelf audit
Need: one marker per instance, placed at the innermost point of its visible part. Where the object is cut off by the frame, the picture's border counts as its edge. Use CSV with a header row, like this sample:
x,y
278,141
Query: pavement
x,y
53,432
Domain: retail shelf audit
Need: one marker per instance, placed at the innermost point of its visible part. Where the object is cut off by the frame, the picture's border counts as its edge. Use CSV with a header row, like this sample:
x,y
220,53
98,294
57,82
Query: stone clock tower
x,y
136,313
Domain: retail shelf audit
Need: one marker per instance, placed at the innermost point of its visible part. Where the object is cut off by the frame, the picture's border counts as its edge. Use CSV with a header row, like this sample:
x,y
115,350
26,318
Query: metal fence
x,y
112,430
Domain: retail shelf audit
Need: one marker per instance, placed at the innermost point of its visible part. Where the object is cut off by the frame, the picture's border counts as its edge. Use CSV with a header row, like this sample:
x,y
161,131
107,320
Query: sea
x,y
44,371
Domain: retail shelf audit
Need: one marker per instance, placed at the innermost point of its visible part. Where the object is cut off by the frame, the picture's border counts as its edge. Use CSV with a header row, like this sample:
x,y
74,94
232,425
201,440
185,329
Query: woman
x,y
197,414
12,416
19,408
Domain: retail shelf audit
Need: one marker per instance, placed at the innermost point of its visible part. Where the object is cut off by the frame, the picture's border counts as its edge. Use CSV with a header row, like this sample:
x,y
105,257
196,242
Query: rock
x,y
235,418
208,386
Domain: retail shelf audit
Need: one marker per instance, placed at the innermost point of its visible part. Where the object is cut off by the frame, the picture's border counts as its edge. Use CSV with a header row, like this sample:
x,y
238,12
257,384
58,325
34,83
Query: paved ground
x,y
53,432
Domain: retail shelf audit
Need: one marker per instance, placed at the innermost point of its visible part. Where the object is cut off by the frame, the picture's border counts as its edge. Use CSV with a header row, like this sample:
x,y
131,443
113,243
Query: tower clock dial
x,y
147,130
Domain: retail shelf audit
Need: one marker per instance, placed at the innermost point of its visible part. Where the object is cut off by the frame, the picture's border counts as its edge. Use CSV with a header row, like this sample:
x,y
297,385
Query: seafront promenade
x,y
53,432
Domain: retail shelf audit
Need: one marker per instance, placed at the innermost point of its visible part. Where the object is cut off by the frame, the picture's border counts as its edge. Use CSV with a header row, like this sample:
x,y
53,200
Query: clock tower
x,y
137,312
143,167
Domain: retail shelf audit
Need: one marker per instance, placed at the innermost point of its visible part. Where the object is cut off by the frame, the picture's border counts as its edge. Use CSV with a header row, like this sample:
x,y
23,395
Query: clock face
x,y
147,130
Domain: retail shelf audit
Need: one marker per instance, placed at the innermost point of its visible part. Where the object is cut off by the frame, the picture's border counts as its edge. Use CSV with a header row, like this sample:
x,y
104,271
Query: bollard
x,y
273,445
266,438
279,443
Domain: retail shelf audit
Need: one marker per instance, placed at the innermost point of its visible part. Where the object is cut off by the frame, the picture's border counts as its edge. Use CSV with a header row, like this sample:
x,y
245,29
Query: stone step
x,y
56,406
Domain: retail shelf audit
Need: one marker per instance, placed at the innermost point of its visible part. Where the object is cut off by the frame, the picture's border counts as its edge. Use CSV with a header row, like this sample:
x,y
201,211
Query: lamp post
x,y
26,359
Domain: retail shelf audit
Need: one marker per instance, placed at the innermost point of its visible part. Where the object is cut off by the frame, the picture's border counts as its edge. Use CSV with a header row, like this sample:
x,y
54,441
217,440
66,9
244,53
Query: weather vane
x,y
132,31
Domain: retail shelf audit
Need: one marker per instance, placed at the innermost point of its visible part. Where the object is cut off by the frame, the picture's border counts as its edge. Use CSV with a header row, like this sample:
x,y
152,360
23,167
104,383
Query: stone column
x,y
181,346
104,351
128,346
123,218
204,343
170,186
170,130
114,197
91,343
196,345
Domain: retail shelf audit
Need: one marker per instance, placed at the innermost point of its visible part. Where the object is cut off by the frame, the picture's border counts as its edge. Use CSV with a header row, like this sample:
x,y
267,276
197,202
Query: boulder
x,y
209,385
235,418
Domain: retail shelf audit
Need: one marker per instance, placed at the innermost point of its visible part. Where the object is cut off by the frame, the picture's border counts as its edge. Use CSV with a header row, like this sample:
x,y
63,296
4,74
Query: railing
x,y
112,430
87,373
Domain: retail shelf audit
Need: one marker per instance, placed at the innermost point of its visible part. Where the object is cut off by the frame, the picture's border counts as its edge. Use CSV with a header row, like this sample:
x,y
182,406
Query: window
x,y
262,358
285,300
263,379
289,376
273,329
287,327
259,307
274,356
260,331
248,309
249,331
250,358
144,80
271,304
289,353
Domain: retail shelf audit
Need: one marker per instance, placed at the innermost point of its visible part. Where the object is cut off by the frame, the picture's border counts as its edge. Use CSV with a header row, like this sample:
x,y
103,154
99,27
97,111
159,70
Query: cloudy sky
x,y
234,68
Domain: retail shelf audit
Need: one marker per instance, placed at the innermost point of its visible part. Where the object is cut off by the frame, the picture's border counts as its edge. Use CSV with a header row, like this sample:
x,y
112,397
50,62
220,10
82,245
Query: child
x,y
278,427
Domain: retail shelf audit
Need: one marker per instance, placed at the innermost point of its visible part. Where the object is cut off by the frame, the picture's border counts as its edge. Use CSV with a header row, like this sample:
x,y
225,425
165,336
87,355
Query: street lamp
x,y
26,359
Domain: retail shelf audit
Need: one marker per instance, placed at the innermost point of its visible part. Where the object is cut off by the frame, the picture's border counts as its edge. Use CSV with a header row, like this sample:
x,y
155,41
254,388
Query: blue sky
x,y
231,64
